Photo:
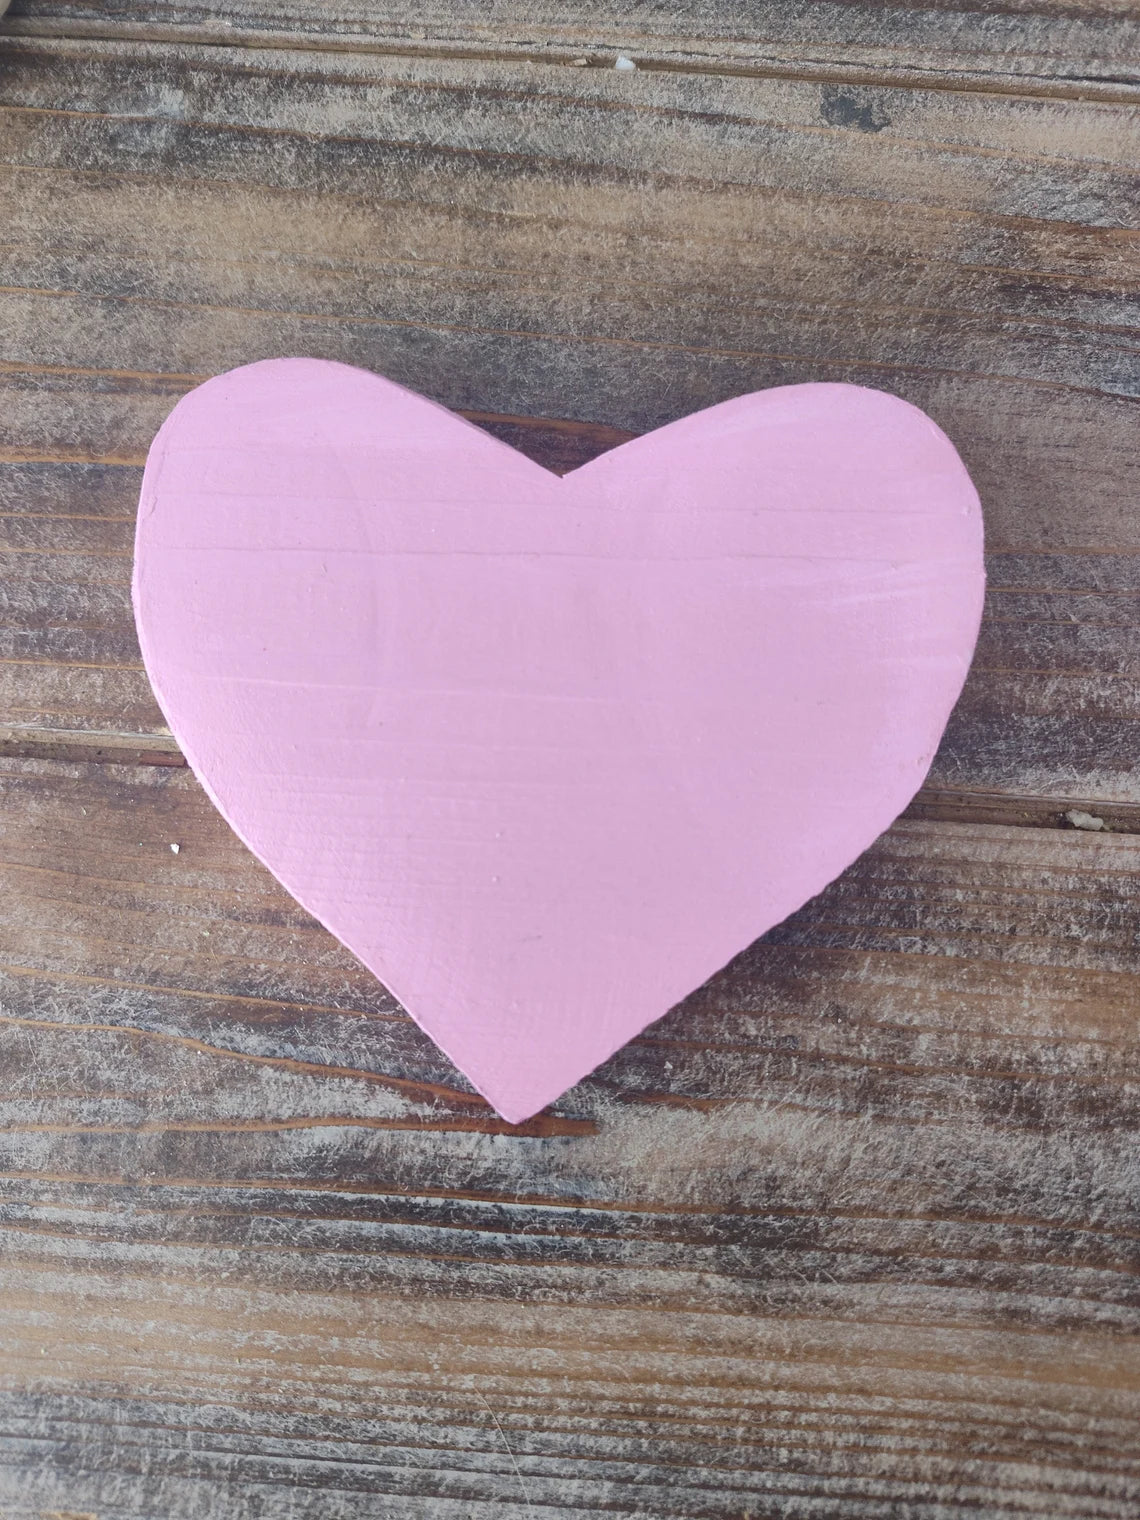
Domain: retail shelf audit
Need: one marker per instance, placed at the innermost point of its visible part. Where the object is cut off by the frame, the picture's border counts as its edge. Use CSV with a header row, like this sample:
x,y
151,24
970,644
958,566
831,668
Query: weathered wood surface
x,y
854,1231
1075,44
614,249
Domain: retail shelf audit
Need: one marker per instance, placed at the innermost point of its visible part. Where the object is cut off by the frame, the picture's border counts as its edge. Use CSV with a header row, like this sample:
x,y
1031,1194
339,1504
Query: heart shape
x,y
546,752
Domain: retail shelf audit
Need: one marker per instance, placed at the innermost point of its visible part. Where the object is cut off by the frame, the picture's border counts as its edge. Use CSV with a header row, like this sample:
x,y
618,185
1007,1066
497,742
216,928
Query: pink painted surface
x,y
545,753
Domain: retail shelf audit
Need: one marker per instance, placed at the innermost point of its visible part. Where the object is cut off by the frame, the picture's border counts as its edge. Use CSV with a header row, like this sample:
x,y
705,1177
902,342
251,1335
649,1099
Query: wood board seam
x,y
931,804
1111,89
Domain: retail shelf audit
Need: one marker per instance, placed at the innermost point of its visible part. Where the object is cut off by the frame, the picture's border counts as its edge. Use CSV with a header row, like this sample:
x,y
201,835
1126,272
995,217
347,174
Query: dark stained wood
x,y
852,1230
535,243
1081,44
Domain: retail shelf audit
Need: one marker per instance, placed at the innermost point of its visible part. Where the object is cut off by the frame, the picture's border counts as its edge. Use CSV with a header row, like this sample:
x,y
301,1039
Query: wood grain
x,y
533,243
853,1231
1083,44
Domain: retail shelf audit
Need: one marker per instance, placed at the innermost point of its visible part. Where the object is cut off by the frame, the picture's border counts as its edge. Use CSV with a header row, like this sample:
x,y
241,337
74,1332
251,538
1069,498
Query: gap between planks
x,y
930,805
812,71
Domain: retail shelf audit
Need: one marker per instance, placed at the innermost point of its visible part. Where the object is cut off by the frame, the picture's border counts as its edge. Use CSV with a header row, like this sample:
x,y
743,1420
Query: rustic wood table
x,y
856,1230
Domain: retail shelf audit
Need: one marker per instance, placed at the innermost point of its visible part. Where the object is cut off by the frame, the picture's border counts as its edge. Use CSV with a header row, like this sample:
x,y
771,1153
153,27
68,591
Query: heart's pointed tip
x,y
517,1103
518,1081
520,1117
515,1110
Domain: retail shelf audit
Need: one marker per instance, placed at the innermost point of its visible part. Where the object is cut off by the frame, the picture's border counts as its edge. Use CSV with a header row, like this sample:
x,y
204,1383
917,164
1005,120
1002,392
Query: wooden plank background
x,y
1059,46
853,1232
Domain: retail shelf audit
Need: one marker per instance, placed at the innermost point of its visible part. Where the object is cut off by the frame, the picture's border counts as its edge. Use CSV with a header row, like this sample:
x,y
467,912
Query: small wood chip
x,y
1083,820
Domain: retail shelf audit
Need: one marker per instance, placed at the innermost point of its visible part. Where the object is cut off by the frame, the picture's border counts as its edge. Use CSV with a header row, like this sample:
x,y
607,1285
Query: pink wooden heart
x,y
545,753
